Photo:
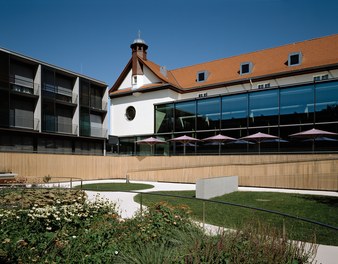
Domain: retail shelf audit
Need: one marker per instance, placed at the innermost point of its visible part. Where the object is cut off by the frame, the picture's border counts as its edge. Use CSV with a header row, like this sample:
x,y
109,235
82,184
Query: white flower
x,y
73,236
48,228
116,252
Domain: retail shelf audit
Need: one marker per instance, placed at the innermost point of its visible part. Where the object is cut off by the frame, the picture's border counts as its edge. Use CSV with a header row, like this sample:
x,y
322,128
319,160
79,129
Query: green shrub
x,y
92,232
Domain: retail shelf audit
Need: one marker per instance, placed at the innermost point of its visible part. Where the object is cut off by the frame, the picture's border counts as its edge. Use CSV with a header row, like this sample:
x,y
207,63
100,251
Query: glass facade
x,y
208,113
234,111
185,116
278,111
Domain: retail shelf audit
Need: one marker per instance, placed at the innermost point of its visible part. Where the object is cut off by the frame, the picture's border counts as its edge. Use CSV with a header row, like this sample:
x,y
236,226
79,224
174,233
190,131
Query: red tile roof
x,y
316,53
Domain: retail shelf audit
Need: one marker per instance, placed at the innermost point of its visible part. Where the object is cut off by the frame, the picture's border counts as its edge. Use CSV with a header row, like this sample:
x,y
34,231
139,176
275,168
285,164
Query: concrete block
x,y
213,187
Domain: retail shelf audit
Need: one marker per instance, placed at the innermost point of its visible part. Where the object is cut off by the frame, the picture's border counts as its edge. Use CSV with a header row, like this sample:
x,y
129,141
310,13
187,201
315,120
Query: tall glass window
x,y
326,102
263,108
48,117
234,111
84,122
297,105
208,113
164,116
185,116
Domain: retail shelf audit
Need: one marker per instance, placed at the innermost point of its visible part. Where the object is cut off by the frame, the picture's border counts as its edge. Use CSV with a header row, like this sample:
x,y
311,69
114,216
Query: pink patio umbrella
x,y
219,139
184,140
151,141
313,134
259,137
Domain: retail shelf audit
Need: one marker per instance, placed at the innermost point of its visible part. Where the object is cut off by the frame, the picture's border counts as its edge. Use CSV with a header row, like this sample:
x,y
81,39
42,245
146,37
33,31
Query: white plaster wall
x,y
143,122
149,77
126,82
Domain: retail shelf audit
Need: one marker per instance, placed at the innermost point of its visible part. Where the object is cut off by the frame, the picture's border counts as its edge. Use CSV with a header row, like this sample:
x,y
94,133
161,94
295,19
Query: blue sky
x,y
93,36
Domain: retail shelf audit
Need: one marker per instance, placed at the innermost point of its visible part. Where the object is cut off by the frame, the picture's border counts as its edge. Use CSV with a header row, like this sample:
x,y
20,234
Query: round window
x,y
130,113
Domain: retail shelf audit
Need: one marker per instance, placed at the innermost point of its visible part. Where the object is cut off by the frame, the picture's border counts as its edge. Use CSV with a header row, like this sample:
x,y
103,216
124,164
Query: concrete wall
x,y
213,187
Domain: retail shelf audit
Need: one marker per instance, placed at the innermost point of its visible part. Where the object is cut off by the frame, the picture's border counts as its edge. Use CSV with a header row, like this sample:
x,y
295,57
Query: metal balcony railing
x,y
56,126
60,93
99,104
22,85
93,131
98,132
21,121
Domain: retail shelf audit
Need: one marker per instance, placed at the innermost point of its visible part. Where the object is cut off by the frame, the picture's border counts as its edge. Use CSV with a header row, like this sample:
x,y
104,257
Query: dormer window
x,y
202,76
295,59
246,67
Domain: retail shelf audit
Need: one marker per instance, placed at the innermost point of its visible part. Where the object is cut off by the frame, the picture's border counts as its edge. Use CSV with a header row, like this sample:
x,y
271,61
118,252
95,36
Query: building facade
x,y
47,109
280,91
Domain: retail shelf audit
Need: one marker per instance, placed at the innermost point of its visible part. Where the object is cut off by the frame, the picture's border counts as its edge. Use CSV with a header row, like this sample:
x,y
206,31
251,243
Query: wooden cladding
x,y
306,171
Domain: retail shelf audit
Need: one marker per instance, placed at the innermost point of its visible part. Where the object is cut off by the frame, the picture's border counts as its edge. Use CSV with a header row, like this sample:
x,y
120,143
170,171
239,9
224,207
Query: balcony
x,y
93,131
60,93
98,104
98,132
53,126
20,121
24,86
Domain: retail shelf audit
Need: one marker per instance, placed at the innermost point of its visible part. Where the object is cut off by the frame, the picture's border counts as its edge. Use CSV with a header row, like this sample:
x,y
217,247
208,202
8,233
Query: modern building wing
x,y
280,91
47,109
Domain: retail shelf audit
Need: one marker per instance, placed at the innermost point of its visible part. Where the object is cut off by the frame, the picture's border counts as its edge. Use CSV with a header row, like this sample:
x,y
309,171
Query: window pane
x,y
164,118
234,111
208,113
185,116
201,77
296,105
245,68
294,59
263,108
326,102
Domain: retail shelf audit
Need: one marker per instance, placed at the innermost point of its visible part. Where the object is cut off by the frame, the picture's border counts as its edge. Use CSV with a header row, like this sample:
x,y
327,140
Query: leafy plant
x,y
47,178
77,231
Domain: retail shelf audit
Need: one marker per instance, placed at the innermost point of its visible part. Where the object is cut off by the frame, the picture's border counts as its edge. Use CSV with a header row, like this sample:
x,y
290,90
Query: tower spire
x,y
139,50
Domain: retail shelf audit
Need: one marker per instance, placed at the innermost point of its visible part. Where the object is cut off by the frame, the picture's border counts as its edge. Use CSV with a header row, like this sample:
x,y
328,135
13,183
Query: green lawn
x,y
113,187
318,208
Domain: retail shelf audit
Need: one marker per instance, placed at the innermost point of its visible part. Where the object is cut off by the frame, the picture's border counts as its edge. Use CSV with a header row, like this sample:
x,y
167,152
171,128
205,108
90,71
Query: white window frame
x,y
263,85
300,57
205,76
246,63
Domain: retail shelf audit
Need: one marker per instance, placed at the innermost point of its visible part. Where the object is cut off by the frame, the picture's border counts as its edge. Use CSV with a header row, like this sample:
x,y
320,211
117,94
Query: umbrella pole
x,y
184,144
259,148
219,148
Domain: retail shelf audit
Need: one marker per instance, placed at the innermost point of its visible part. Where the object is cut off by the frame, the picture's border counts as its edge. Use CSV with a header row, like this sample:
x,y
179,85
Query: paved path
x,y
127,206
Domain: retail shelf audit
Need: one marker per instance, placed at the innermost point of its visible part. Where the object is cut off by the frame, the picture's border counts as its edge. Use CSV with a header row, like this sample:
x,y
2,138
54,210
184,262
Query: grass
x,y
113,187
318,208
